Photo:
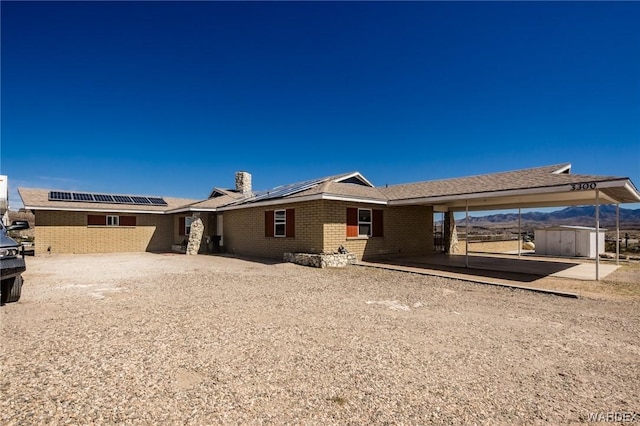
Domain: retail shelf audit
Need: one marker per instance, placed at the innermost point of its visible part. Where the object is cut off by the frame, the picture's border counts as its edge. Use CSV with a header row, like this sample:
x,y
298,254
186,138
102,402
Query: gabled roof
x,y
218,192
351,184
38,199
535,187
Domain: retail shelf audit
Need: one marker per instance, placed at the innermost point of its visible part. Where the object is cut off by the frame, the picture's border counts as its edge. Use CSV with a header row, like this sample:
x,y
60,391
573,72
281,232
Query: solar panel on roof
x,y
77,196
122,199
59,196
140,200
104,198
284,190
157,201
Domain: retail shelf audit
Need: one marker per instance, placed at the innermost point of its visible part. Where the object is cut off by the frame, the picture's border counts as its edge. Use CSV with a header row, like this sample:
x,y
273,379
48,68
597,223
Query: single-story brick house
x,y
314,216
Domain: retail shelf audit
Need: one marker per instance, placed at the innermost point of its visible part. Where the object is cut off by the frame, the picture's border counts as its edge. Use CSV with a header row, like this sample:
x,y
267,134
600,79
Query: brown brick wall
x,y
408,230
67,232
244,231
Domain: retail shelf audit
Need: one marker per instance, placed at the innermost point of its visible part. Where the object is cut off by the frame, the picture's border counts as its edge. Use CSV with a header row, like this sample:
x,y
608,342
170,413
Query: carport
x,y
550,186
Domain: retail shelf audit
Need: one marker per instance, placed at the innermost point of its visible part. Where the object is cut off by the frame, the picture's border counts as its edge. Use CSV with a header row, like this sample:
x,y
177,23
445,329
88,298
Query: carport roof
x,y
536,187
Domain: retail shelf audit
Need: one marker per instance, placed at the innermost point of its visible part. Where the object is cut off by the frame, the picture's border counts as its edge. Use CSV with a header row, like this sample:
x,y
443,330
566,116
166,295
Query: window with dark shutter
x,y
291,223
127,221
98,220
181,226
268,223
352,222
378,224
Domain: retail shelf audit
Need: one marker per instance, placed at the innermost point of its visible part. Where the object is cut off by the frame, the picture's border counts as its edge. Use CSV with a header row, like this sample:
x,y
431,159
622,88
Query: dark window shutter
x,y
378,223
352,222
291,223
127,221
181,226
268,223
94,219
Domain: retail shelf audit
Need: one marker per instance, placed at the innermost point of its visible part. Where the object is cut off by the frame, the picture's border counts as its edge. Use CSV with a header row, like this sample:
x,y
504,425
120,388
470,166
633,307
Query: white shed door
x,y
568,243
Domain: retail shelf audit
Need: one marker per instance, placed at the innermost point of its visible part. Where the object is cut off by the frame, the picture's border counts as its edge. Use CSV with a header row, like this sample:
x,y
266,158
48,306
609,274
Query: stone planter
x,y
323,260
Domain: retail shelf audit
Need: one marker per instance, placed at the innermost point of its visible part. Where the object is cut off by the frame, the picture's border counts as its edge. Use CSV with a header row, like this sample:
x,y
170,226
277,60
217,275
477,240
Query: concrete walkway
x,y
500,270
465,277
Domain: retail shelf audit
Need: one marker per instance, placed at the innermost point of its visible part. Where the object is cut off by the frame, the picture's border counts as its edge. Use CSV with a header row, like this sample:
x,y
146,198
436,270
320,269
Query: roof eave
x,y
558,195
87,209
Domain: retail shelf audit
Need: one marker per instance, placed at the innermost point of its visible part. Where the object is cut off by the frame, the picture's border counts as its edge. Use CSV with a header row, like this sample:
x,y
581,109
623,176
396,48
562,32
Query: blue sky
x,y
172,98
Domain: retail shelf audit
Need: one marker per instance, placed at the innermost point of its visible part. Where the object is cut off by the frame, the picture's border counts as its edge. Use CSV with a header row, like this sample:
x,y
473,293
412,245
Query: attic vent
x,y
354,180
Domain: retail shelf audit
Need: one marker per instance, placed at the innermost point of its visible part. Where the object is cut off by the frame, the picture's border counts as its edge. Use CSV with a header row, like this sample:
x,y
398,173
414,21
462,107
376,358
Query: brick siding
x,y
244,231
321,226
67,232
408,230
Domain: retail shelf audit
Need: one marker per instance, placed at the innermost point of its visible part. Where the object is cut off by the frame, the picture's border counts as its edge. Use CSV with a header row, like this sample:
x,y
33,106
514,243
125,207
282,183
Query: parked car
x,y
12,263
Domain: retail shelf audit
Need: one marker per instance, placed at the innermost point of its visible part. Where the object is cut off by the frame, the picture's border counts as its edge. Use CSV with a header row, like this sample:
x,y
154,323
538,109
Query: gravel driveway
x,y
168,339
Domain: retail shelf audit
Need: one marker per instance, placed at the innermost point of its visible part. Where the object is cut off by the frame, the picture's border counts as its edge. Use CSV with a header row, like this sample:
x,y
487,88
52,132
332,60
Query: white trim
x,y
275,223
352,199
370,223
272,202
190,219
354,174
114,218
562,169
191,209
442,199
93,210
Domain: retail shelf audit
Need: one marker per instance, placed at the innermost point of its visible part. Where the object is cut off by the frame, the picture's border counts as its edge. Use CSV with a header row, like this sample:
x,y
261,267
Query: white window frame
x,y
370,223
113,220
188,221
282,221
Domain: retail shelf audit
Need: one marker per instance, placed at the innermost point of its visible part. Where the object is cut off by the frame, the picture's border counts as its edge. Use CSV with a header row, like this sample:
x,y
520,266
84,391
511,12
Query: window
x,y
280,223
184,225
364,223
187,225
110,220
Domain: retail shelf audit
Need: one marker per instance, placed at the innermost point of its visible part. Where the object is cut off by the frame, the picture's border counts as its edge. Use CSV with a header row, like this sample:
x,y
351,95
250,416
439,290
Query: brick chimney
x,y
243,182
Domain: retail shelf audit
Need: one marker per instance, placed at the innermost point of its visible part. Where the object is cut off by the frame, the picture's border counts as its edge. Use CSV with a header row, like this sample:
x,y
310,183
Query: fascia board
x,y
304,198
354,174
507,193
71,209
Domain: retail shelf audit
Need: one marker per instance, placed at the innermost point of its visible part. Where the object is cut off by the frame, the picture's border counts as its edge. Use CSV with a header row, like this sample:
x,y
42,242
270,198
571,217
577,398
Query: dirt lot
x,y
167,339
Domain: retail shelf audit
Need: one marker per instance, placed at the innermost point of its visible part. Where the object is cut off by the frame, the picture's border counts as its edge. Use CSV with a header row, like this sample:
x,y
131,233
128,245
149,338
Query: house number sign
x,y
583,186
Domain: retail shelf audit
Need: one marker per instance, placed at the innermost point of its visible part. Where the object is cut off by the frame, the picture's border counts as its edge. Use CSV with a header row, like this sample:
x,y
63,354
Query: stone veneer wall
x,y
68,232
334,260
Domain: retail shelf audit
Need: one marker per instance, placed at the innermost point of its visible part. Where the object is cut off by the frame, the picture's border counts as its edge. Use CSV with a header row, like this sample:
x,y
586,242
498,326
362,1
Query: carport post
x,y
519,230
597,235
617,234
466,231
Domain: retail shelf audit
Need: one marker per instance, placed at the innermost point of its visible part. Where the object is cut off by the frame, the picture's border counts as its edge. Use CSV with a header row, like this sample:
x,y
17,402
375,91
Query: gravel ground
x,y
166,339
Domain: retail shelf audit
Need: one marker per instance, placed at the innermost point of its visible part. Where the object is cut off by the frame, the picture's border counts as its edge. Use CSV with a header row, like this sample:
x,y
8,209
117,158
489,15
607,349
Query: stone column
x,y
450,234
195,236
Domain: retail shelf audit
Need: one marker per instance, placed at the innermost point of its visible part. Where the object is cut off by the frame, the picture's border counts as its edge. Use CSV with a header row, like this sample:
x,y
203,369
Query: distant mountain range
x,y
578,216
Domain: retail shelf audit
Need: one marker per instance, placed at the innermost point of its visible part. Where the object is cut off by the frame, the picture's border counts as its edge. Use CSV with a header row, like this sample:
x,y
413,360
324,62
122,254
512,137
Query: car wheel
x,y
11,289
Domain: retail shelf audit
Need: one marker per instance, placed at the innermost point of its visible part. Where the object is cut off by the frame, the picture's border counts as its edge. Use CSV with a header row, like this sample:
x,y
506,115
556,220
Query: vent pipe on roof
x,y
243,182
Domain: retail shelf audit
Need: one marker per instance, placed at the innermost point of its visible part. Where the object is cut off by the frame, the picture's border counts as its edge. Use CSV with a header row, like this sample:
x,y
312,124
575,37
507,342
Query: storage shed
x,y
569,241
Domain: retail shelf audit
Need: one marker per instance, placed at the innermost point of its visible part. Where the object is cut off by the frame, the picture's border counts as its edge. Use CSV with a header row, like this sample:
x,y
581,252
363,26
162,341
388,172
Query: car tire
x,y
11,290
